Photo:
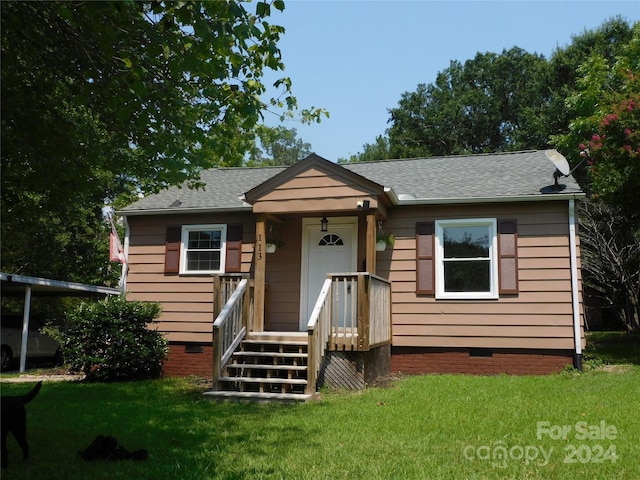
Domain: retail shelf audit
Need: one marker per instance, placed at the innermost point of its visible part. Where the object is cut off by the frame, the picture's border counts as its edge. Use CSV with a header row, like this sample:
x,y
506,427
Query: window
x,y
330,239
203,248
466,259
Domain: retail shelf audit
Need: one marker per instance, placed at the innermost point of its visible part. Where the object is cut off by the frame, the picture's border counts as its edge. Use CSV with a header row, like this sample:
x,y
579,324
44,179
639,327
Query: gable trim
x,y
321,164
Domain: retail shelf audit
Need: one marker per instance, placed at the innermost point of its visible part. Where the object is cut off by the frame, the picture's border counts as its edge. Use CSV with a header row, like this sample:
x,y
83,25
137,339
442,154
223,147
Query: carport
x,y
22,285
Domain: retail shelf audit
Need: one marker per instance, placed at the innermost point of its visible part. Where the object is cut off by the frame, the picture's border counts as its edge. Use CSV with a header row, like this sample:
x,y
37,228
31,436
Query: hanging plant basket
x,y
271,247
384,240
272,241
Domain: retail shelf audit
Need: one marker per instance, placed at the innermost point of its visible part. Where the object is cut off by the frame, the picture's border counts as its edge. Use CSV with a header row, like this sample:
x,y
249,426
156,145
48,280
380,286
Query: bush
x,y
110,340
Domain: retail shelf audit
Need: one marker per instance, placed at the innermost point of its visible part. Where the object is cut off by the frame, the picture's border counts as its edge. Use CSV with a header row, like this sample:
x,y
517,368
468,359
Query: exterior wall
x,y
189,359
421,360
538,317
187,300
283,278
428,334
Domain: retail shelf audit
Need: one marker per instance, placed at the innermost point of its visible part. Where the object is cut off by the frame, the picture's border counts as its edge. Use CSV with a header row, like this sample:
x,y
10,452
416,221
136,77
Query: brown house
x,y
483,277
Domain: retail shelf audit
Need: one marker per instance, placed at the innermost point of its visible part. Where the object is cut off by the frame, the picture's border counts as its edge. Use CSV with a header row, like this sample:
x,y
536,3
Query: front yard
x,y
562,426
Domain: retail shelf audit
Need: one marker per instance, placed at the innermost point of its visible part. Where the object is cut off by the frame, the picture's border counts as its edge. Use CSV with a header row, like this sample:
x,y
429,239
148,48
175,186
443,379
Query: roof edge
x,y
46,282
505,199
176,211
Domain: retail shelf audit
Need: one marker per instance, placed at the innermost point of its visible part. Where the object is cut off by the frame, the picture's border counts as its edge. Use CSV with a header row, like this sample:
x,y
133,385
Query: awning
x,y
16,285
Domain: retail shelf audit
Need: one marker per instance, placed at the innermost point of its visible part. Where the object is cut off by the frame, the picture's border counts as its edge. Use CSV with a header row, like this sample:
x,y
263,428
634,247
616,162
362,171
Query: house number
x,y
259,246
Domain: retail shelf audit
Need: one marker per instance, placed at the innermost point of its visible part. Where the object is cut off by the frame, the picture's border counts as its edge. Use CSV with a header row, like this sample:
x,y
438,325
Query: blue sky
x,y
356,58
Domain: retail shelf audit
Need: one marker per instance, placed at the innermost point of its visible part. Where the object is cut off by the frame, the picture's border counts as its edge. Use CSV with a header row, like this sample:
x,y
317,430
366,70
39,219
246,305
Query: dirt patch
x,y
44,376
387,381
616,368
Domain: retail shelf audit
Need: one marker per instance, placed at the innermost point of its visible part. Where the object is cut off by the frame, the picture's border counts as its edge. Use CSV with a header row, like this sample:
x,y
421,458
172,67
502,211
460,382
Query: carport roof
x,y
16,285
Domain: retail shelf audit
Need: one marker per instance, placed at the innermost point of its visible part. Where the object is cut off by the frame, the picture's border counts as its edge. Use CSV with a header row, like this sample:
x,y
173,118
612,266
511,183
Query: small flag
x,y
116,251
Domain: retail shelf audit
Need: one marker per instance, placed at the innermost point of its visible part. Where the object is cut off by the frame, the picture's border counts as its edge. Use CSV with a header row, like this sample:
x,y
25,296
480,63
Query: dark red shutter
x,y
172,250
508,257
425,266
233,261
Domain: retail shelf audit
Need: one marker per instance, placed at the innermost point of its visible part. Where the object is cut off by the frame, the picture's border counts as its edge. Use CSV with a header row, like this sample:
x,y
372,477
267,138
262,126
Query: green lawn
x,y
423,427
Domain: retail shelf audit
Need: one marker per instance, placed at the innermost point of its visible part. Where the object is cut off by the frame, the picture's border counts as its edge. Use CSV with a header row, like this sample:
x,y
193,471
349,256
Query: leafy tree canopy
x,y
494,102
371,152
100,98
490,103
278,146
605,129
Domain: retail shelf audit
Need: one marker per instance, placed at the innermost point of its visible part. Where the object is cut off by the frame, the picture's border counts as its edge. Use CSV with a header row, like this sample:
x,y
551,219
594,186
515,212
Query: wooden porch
x,y
252,364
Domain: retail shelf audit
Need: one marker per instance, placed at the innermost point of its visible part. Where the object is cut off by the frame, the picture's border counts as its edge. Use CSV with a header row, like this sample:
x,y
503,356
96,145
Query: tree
x,y
490,103
611,260
606,127
281,146
606,41
371,152
101,98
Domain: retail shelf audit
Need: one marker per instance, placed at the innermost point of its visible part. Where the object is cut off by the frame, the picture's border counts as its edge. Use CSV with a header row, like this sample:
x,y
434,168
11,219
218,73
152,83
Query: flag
x,y
116,251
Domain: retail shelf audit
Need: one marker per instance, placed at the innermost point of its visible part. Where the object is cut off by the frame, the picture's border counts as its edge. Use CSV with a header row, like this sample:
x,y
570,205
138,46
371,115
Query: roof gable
x,y
325,175
497,177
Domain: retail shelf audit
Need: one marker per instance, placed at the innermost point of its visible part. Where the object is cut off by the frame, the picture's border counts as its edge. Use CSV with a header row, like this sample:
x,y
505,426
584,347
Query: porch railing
x,y
318,329
231,324
353,312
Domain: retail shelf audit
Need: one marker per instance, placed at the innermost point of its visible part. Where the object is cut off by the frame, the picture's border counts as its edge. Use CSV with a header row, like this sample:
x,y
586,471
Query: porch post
x,y
371,243
261,271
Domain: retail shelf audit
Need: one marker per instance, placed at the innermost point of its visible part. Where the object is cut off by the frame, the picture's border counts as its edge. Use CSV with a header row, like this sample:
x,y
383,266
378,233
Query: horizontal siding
x,y
539,316
187,301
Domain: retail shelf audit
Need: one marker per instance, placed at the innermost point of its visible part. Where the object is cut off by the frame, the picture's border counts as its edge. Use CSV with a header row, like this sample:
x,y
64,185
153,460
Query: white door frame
x,y
313,224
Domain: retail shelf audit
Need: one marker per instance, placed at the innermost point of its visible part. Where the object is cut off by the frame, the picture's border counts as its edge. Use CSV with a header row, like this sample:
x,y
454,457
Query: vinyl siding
x,y
540,316
187,300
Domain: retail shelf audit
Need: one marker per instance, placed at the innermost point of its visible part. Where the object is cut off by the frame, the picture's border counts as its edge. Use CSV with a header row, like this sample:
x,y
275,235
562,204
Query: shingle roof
x,y
464,178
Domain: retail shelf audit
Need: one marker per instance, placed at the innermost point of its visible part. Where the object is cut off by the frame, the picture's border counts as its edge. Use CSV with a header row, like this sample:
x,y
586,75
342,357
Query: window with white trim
x,y
466,259
203,248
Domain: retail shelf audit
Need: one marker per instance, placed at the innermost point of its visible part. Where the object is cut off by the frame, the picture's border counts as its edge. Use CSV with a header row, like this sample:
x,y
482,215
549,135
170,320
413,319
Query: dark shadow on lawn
x,y
182,431
613,348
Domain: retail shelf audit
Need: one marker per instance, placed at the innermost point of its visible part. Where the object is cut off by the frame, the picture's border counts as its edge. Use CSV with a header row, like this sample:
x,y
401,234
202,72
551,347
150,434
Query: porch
x,y
350,319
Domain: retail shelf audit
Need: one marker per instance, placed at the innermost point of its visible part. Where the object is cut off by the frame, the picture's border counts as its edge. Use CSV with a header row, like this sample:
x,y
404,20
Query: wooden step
x,y
244,353
257,366
275,342
257,397
279,336
284,381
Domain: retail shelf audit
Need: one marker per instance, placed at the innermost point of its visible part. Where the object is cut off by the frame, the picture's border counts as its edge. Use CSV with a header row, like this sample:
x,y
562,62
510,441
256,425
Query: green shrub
x,y
110,340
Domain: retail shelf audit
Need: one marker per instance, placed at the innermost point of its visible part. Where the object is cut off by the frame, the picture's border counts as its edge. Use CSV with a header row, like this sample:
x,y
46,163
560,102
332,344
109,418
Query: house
x,y
483,277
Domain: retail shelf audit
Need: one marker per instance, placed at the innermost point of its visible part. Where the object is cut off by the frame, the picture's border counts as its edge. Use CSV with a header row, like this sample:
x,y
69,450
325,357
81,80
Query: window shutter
x,y
233,261
172,250
508,256
425,267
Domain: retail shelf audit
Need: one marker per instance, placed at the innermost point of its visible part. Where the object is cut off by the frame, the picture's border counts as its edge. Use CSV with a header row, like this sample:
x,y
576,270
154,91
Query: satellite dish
x,y
559,161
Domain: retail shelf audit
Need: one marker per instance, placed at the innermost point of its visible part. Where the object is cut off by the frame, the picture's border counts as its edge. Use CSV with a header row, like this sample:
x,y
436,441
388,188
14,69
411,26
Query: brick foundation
x,y
189,359
417,360
197,359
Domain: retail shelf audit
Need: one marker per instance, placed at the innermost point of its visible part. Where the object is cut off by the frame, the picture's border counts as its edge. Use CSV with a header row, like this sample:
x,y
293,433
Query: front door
x,y
333,251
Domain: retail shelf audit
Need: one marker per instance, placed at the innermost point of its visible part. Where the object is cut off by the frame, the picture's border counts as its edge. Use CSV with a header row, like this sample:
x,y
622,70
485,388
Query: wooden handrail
x,y
318,333
361,311
353,313
229,328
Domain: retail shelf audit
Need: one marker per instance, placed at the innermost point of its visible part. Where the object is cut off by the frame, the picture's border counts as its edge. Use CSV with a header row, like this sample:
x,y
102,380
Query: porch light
x,y
324,222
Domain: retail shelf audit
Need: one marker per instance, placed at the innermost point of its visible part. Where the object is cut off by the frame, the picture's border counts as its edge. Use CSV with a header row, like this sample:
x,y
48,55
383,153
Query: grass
x,y
436,427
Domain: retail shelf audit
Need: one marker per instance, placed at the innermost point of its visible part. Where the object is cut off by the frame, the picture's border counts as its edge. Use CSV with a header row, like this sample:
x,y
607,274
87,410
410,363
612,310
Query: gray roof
x,y
516,176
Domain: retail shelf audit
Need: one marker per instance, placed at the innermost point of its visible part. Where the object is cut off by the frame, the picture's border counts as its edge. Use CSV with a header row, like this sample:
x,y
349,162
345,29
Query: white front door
x,y
333,251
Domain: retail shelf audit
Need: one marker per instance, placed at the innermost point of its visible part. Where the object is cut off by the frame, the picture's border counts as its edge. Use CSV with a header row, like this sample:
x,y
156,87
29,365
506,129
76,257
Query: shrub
x,y
110,340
